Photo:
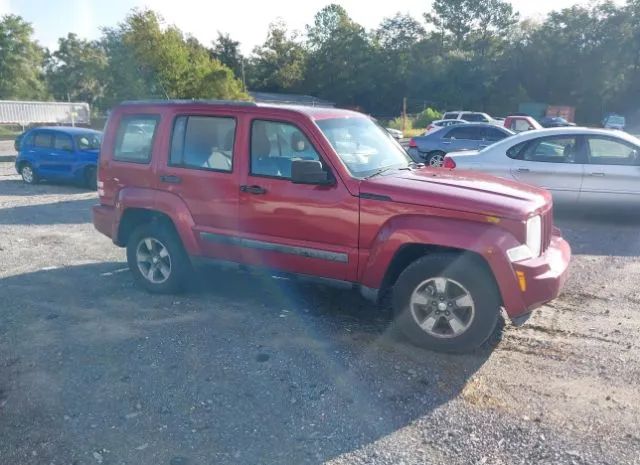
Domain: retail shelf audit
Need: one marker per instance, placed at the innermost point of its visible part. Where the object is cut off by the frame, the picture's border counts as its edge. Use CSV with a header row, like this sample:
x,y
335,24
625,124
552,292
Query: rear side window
x,y
62,142
134,139
464,133
203,142
43,140
450,115
516,151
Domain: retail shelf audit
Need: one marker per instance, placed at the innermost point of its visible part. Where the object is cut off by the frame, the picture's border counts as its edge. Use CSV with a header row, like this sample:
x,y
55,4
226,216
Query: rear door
x,y
462,137
612,174
202,170
41,153
555,163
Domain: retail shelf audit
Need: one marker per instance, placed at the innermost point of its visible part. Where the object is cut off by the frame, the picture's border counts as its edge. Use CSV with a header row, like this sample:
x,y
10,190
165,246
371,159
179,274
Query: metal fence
x,y
26,113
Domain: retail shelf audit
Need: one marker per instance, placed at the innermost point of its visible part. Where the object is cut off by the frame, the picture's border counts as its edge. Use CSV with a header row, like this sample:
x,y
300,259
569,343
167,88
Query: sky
x,y
246,20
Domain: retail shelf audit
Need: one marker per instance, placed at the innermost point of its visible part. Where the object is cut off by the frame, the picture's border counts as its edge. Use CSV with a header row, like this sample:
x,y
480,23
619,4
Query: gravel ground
x,y
253,370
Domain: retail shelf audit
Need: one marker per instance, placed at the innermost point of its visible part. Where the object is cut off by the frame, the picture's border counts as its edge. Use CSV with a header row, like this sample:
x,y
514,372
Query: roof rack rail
x,y
243,103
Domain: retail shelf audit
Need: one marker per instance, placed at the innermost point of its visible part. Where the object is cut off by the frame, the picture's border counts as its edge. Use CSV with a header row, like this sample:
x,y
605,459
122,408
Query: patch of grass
x,y
8,132
413,132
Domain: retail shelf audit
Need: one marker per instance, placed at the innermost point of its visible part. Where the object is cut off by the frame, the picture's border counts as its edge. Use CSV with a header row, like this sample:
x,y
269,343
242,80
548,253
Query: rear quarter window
x,y
134,138
450,115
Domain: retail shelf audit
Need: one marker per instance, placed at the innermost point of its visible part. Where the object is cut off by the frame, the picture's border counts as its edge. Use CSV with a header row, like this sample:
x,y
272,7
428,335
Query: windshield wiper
x,y
380,171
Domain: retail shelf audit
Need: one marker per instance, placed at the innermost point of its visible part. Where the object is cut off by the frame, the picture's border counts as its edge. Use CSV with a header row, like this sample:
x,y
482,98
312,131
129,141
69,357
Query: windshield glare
x,y
88,141
363,146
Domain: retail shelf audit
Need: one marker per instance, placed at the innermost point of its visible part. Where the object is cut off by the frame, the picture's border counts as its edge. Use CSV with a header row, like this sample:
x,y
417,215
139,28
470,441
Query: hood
x,y
460,190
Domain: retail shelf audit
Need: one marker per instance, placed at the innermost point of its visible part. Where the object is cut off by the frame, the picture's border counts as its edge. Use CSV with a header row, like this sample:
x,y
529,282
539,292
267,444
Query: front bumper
x,y
540,280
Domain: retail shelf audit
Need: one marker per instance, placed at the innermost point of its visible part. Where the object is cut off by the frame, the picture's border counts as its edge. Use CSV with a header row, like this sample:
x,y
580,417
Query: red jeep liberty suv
x,y
326,194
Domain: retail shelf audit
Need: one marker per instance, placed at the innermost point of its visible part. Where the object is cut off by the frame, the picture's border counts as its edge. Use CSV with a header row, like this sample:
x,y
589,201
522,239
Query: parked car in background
x,y
395,133
577,165
555,122
469,116
614,121
518,123
443,123
325,194
431,147
59,154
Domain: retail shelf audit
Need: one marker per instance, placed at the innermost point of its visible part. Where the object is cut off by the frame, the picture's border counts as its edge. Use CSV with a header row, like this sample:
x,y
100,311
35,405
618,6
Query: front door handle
x,y
171,179
523,170
255,190
597,174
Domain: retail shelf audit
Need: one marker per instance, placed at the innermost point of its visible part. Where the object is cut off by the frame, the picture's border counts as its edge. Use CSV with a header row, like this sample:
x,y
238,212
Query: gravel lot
x,y
253,370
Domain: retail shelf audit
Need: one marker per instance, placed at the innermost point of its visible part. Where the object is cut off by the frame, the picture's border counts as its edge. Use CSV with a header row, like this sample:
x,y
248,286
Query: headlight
x,y
533,244
534,235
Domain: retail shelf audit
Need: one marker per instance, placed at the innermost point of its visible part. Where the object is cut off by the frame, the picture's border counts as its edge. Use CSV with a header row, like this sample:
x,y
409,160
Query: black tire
x,y
482,321
179,263
432,157
91,178
33,179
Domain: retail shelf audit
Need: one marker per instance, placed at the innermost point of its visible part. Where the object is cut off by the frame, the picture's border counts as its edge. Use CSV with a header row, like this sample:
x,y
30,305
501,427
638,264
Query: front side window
x,y
203,142
43,140
88,141
494,135
62,142
363,146
134,138
464,133
274,145
474,117
607,151
560,149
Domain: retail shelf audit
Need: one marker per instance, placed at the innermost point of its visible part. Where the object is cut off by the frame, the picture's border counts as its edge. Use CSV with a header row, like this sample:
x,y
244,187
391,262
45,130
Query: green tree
x,y
340,59
227,51
76,70
21,61
279,64
149,60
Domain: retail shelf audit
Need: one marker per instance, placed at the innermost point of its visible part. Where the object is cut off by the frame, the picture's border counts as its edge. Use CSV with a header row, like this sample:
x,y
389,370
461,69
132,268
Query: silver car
x,y
431,147
577,165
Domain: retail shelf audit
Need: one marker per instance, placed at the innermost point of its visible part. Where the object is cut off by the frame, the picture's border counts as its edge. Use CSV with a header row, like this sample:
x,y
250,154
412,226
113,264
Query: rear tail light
x,y
449,163
412,143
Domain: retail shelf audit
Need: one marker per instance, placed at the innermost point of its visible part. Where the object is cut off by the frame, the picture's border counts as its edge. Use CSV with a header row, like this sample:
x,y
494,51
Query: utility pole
x,y
244,81
404,114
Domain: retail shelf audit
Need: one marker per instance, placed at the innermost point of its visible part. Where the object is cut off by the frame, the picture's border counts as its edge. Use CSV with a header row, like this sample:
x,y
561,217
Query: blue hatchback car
x,y
59,154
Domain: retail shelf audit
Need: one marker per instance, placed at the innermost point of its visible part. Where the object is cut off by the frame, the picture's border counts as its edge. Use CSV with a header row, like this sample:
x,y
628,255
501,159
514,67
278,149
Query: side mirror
x,y
309,172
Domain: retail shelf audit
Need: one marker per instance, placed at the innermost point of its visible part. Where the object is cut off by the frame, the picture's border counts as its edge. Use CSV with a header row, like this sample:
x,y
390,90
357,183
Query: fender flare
x,y
163,202
488,241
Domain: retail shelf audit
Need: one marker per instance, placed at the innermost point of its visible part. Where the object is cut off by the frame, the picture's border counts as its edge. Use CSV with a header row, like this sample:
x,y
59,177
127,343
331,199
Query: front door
x,y
307,229
463,137
554,163
612,175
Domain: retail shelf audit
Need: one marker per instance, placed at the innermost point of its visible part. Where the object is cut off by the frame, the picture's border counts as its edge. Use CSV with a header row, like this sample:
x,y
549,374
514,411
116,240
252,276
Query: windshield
x,y
88,141
363,146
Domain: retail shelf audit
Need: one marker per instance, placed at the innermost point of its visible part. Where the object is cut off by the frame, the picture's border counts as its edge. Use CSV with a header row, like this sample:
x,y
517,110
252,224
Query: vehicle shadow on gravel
x,y
18,188
585,231
243,369
64,212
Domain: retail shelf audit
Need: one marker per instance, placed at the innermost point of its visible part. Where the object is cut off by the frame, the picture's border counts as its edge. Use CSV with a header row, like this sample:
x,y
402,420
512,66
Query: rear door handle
x,y
523,170
597,174
256,190
171,179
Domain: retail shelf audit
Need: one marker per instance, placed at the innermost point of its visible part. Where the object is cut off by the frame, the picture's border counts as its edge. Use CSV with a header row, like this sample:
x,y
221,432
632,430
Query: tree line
x,y
462,54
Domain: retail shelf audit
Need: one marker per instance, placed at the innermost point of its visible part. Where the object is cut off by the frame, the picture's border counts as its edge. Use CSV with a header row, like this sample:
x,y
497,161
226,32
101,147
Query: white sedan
x,y
577,165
